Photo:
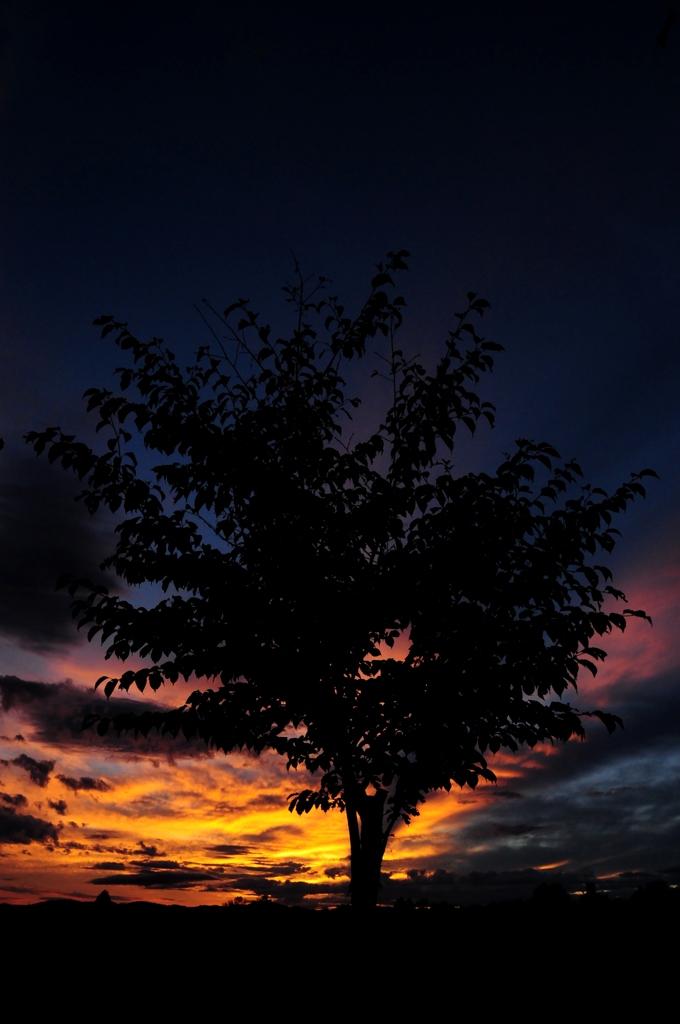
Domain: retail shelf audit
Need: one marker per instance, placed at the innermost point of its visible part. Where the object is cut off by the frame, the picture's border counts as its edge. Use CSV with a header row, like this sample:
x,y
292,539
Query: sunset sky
x,y
153,154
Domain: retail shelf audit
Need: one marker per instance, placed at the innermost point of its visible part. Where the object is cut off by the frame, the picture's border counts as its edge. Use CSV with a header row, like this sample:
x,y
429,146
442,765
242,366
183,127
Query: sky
x,y
155,154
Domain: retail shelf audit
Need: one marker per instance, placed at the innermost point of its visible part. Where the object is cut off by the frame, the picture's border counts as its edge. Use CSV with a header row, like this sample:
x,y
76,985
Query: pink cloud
x,y
641,652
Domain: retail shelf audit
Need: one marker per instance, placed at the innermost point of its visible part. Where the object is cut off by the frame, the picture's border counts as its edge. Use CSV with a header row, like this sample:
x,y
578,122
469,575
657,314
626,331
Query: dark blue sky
x,y
153,154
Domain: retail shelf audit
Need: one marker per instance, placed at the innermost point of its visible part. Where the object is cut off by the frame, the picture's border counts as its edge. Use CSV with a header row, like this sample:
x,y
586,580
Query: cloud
x,y
44,533
515,830
229,849
17,693
24,828
149,850
14,801
84,783
59,806
291,867
172,875
150,879
275,833
287,891
39,771
56,712
483,887
155,864
606,806
472,887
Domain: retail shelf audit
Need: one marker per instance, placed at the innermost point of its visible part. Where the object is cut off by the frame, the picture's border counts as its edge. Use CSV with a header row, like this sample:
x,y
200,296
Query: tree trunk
x,y
367,843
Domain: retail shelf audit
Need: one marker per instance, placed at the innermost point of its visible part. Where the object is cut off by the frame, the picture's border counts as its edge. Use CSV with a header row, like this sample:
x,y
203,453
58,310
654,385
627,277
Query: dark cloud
x,y
515,830
155,864
149,850
44,533
291,867
608,806
14,801
273,833
38,771
84,783
18,693
229,849
22,890
484,887
24,828
56,712
650,708
149,879
288,891
59,806
266,800
615,791
172,875
473,887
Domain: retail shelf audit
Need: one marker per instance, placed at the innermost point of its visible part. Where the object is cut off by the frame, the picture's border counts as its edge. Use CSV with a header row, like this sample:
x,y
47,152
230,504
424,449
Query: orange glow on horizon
x,y
218,818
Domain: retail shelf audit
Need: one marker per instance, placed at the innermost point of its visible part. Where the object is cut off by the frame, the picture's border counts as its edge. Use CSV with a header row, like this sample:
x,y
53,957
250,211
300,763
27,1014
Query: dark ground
x,y
264,960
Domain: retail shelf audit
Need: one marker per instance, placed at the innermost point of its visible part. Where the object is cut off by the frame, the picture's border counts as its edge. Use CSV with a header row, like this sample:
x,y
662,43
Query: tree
x,y
291,559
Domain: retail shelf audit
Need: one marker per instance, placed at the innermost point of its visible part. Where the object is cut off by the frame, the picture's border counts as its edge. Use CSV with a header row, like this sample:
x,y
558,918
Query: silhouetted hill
x,y
550,902
254,955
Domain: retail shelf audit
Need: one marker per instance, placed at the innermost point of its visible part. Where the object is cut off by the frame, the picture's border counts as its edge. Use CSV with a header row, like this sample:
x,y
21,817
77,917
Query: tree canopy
x,y
291,557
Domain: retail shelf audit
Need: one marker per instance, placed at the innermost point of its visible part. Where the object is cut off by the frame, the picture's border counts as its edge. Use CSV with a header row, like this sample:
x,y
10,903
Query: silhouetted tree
x,y
550,897
655,895
292,559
